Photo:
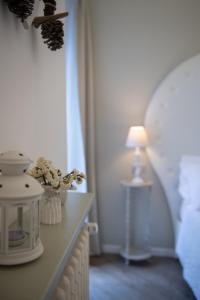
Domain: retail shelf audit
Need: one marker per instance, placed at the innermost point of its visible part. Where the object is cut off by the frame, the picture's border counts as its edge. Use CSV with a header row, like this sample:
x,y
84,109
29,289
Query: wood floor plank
x,y
155,279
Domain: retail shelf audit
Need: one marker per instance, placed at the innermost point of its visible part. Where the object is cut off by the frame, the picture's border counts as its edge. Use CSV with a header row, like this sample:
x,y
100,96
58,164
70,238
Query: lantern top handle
x,y
15,183
12,157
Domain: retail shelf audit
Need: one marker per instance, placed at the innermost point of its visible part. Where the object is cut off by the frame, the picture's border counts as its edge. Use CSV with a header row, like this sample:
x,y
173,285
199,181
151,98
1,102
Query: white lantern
x,y
19,211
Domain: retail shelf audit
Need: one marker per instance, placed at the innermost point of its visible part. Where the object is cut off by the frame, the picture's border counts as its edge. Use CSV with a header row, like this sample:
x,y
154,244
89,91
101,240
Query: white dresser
x,y
62,271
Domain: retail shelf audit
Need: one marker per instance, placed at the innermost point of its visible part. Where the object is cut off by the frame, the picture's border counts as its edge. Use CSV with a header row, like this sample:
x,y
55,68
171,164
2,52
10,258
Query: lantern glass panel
x,y
19,230
36,223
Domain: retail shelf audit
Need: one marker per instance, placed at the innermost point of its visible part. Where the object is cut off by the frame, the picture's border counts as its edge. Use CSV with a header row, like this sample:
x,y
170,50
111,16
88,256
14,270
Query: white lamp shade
x,y
137,137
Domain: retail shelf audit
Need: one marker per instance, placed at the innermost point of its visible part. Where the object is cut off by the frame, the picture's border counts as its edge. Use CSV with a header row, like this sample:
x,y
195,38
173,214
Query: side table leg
x,y
127,262
147,229
127,225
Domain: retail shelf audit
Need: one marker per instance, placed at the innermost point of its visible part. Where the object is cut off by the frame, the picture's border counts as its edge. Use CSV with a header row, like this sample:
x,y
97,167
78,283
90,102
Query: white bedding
x,y
188,241
189,183
188,249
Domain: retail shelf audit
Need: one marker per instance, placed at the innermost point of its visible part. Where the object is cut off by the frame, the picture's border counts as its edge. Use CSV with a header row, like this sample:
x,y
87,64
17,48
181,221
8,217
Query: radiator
x,y
74,282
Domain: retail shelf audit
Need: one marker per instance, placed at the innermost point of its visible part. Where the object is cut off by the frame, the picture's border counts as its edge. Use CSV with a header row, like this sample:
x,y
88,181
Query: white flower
x,y
35,172
68,186
55,183
83,175
43,164
75,173
48,177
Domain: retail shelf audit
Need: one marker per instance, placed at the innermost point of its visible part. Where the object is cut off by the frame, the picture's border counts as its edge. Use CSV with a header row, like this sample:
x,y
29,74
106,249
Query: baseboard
x,y
163,252
156,251
114,249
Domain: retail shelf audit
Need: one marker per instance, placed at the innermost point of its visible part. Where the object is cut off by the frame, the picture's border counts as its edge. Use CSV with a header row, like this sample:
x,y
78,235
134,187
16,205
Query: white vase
x,y
50,211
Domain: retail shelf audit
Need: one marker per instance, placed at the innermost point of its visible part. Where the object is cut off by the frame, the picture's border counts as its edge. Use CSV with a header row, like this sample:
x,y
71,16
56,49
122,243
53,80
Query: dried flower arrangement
x,y
48,175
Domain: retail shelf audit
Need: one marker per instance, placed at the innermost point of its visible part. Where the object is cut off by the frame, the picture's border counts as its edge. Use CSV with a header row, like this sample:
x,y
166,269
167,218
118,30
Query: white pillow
x,y
183,188
194,185
184,178
188,185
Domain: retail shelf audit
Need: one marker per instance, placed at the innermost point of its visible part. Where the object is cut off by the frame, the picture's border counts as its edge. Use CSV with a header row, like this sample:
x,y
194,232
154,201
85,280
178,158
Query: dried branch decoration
x,y
38,21
21,8
51,28
52,31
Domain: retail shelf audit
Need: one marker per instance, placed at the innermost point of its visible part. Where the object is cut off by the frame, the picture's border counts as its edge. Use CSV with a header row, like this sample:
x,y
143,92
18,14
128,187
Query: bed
x,y
188,239
173,125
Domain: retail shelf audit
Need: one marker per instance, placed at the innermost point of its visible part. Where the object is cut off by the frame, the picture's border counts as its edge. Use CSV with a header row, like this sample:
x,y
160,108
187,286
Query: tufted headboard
x,y
173,125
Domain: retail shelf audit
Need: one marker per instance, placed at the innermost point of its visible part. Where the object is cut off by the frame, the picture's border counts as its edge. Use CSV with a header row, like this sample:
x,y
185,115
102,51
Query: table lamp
x,y
137,139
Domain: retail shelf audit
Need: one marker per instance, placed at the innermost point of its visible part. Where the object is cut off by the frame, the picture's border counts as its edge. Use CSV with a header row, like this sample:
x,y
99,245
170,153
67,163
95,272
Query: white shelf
x,y
136,254
129,183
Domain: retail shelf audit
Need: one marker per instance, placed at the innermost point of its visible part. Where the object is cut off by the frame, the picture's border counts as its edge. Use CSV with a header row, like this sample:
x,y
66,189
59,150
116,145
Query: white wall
x,y
32,91
136,43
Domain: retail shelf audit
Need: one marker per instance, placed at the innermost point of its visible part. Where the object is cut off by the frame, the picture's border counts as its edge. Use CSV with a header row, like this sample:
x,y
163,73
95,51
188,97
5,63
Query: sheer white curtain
x,y
80,101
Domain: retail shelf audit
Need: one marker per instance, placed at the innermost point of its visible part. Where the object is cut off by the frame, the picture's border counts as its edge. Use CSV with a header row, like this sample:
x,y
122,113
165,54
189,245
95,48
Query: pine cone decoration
x,y
21,8
50,7
53,33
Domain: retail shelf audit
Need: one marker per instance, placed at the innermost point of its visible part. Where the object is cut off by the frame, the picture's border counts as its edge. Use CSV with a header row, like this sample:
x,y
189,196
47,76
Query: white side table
x,y
130,252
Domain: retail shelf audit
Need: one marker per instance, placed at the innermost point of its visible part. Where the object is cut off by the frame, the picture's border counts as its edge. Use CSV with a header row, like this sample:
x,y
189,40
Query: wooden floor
x,y
156,279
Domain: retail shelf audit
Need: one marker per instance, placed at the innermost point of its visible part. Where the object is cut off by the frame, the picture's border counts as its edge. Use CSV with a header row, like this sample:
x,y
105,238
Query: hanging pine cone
x,y
53,33
50,7
21,8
